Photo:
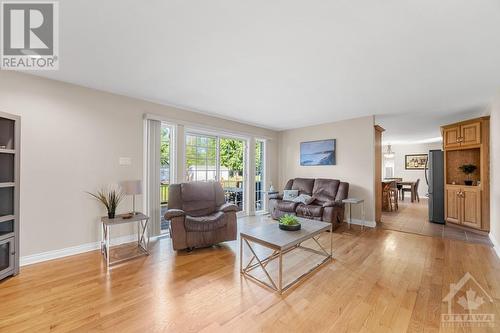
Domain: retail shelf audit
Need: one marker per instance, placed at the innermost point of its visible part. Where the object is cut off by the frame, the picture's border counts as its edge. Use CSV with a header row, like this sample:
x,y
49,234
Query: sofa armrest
x,y
276,196
228,207
171,213
330,203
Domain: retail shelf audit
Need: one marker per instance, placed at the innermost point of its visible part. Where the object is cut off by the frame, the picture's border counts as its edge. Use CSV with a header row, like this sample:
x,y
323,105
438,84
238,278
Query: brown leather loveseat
x,y
326,205
199,215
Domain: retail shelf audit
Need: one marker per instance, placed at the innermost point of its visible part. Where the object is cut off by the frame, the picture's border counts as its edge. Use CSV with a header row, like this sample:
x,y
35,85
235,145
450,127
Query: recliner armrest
x,y
228,207
171,213
276,196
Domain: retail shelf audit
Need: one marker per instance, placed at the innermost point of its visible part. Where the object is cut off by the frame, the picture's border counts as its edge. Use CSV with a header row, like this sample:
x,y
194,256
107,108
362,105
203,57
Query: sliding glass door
x,y
259,175
222,159
231,170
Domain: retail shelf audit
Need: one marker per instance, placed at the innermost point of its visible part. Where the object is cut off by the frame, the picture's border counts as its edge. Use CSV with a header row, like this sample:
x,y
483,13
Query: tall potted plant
x,y
110,198
468,169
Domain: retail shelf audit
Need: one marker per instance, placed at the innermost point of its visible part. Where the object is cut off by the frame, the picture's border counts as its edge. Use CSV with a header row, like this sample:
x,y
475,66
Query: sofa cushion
x,y
304,198
325,189
303,185
289,195
309,210
287,206
205,223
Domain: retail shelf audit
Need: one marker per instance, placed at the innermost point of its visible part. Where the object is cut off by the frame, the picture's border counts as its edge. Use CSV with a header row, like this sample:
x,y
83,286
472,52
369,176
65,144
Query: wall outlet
x,y
125,161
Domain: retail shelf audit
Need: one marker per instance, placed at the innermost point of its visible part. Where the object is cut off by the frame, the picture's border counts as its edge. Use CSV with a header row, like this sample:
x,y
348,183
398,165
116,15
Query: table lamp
x,y
132,187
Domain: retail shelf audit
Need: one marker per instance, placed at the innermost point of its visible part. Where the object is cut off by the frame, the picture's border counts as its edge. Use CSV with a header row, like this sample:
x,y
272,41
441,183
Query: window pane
x,y
190,140
201,152
200,158
212,142
190,152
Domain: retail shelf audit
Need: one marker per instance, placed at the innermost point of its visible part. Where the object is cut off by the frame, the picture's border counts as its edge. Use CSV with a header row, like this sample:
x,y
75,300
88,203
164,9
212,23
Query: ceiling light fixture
x,y
389,153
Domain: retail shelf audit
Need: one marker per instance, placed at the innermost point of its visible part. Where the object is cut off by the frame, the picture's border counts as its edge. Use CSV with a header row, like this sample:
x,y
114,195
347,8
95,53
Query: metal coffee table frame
x,y
278,253
142,236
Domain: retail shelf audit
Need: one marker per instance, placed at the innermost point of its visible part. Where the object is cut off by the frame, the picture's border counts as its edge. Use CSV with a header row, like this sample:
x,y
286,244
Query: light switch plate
x,y
125,161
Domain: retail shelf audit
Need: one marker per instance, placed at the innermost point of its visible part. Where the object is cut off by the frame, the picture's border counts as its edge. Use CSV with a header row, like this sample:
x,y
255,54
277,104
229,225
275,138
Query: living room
x,y
208,141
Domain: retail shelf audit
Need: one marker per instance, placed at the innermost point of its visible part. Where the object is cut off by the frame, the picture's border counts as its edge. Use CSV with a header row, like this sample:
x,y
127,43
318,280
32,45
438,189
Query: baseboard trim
x,y
370,224
73,250
496,245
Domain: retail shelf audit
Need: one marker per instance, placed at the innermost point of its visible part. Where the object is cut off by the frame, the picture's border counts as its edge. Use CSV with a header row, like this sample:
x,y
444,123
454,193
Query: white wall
x,y
399,163
355,157
72,138
495,175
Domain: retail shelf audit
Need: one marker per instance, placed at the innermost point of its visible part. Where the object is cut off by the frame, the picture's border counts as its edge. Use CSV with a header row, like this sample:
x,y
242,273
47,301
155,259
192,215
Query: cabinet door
x,y
451,137
6,256
470,134
452,205
471,201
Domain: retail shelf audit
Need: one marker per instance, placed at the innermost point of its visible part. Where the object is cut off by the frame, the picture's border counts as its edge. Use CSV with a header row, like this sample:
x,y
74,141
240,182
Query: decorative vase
x,y
285,227
111,215
469,182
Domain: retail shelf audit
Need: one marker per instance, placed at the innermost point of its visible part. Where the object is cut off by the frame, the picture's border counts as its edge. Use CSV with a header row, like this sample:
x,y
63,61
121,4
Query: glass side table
x,y
142,236
355,201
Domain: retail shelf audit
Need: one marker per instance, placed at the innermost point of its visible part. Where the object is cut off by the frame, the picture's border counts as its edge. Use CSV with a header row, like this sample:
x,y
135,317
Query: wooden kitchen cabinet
x,y
470,134
467,142
463,205
451,137
465,134
471,201
452,213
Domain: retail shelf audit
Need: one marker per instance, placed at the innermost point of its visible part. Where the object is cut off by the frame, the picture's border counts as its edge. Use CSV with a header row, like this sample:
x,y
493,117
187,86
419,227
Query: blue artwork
x,y
320,152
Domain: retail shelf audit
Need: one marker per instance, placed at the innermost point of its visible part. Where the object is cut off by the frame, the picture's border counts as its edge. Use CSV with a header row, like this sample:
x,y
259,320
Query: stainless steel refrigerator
x,y
434,176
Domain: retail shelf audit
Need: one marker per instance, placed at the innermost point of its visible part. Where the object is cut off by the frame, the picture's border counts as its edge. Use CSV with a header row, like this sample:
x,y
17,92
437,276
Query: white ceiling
x,y
421,127
286,63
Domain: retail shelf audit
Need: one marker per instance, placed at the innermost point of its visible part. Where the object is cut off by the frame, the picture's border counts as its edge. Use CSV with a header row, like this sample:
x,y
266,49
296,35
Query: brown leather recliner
x,y
199,215
327,197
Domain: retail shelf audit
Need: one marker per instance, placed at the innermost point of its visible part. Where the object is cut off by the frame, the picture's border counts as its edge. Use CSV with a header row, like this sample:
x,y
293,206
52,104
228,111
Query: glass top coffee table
x,y
282,242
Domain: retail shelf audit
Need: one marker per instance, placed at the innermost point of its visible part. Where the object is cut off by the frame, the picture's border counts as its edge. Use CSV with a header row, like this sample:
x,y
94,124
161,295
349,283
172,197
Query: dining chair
x,y
386,195
394,192
413,191
390,195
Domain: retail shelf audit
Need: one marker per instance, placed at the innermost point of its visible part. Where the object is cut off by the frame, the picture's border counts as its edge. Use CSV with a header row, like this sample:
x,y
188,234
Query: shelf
x,y
7,165
6,218
7,185
5,235
7,132
7,151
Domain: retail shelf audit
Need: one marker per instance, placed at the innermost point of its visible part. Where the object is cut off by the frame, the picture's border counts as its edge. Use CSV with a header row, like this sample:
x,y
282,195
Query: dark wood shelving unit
x,y
9,194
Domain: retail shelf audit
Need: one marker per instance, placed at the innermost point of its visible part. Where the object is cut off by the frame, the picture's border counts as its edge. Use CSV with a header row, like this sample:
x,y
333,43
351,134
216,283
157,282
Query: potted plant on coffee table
x,y
289,223
468,169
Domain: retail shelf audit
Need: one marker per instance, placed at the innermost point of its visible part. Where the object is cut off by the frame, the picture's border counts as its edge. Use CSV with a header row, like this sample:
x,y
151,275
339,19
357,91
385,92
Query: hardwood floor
x,y
413,217
379,281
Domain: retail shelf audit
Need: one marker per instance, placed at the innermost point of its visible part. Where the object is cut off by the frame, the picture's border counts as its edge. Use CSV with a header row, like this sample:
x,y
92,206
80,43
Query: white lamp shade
x,y
131,187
